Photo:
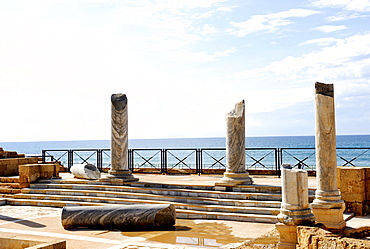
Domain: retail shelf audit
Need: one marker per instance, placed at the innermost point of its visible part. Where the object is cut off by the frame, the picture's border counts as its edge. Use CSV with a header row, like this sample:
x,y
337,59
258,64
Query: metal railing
x,y
206,160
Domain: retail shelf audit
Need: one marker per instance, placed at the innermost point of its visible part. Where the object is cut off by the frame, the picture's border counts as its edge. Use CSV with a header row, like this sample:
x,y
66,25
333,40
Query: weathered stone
x,y
327,207
295,208
235,173
123,216
85,171
314,237
119,140
288,236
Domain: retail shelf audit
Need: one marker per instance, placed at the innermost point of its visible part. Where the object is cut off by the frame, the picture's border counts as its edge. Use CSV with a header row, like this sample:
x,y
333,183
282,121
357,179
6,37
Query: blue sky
x,y
183,65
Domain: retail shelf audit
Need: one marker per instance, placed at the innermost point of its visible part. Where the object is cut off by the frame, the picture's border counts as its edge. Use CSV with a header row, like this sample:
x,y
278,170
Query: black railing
x,y
206,160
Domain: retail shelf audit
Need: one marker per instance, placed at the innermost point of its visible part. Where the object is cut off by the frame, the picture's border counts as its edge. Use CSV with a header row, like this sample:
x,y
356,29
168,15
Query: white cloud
x,y
322,41
269,22
347,59
353,5
344,17
330,28
201,57
208,29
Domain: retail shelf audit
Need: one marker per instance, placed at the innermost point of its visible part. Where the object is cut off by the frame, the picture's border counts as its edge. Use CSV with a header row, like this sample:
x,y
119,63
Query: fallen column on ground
x,y
235,148
119,171
124,216
295,209
327,206
85,171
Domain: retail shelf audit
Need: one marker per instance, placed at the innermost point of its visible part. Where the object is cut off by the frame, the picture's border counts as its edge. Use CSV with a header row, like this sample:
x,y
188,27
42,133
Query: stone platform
x,y
195,197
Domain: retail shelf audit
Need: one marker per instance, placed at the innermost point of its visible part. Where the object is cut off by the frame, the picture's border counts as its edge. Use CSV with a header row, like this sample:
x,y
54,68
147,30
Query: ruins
x,y
235,173
327,207
119,141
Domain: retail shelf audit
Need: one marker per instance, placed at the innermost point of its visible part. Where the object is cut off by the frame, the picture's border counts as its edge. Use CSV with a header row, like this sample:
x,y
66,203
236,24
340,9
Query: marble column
x,y
295,209
327,206
119,140
119,216
235,173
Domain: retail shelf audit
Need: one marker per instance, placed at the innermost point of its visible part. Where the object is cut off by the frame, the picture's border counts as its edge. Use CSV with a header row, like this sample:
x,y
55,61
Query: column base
x,y
297,217
119,176
233,179
331,216
288,236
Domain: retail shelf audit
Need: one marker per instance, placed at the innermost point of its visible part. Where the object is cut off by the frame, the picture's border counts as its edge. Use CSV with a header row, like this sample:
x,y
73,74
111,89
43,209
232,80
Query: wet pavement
x,y
44,224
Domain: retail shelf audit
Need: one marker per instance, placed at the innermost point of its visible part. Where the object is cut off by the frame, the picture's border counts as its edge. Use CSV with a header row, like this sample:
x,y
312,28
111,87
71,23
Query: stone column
x,y
327,207
119,139
295,209
235,148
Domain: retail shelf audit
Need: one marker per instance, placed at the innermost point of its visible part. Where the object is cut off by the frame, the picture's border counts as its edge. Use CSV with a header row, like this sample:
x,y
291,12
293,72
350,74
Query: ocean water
x,y
261,152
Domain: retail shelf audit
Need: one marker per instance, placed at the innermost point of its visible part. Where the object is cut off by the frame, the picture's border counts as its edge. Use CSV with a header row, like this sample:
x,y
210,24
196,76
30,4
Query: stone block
x,y
359,209
46,170
288,236
352,179
353,197
28,173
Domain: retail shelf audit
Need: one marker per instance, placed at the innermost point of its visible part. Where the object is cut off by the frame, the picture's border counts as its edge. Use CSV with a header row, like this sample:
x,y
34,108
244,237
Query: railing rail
x,y
206,160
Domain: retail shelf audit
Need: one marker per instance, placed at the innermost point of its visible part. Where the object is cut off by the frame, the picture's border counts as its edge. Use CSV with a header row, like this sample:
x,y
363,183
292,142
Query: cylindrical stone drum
x,y
85,171
125,216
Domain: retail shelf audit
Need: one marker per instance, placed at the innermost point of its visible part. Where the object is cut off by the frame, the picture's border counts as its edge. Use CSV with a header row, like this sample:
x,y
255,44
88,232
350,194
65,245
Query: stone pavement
x,y
44,224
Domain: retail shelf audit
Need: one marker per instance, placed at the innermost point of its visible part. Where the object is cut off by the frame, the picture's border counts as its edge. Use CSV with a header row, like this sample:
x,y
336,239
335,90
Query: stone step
x,y
9,179
9,185
187,206
164,191
180,213
246,188
134,195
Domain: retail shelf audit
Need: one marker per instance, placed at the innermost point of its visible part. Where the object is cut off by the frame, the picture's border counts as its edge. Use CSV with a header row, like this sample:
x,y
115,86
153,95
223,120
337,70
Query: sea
x,y
352,150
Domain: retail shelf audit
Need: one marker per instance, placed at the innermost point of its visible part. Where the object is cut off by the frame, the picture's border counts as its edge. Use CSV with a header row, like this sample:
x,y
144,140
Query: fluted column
x,y
235,148
327,207
119,139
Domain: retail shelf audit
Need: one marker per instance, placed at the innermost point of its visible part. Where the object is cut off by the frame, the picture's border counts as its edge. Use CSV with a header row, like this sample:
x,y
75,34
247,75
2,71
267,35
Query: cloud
x,y
321,41
352,5
208,29
330,28
344,17
201,57
346,59
269,22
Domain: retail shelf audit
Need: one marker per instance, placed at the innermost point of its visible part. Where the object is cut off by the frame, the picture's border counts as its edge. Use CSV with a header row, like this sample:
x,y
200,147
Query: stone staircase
x,y
9,185
254,203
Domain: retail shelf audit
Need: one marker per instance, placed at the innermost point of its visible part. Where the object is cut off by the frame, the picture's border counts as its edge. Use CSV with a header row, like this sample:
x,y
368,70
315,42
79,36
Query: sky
x,y
183,65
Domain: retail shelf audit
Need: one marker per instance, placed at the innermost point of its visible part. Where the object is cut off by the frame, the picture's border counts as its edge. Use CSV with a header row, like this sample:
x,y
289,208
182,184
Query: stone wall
x,y
32,172
314,237
9,166
9,154
354,184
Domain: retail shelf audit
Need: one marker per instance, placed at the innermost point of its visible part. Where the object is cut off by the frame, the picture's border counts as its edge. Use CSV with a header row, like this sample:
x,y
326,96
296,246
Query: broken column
x,y
85,171
327,206
235,149
119,216
119,140
295,209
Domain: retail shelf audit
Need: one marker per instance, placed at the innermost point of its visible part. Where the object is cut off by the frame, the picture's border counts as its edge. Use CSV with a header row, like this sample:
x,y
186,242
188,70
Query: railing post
x,y
99,159
70,159
278,161
43,156
130,160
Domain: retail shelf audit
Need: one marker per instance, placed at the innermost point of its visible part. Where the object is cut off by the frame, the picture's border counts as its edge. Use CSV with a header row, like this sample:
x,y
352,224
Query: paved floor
x,y
44,224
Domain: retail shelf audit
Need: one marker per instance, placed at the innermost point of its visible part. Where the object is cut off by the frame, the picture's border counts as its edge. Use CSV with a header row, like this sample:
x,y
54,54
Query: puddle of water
x,y
187,232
